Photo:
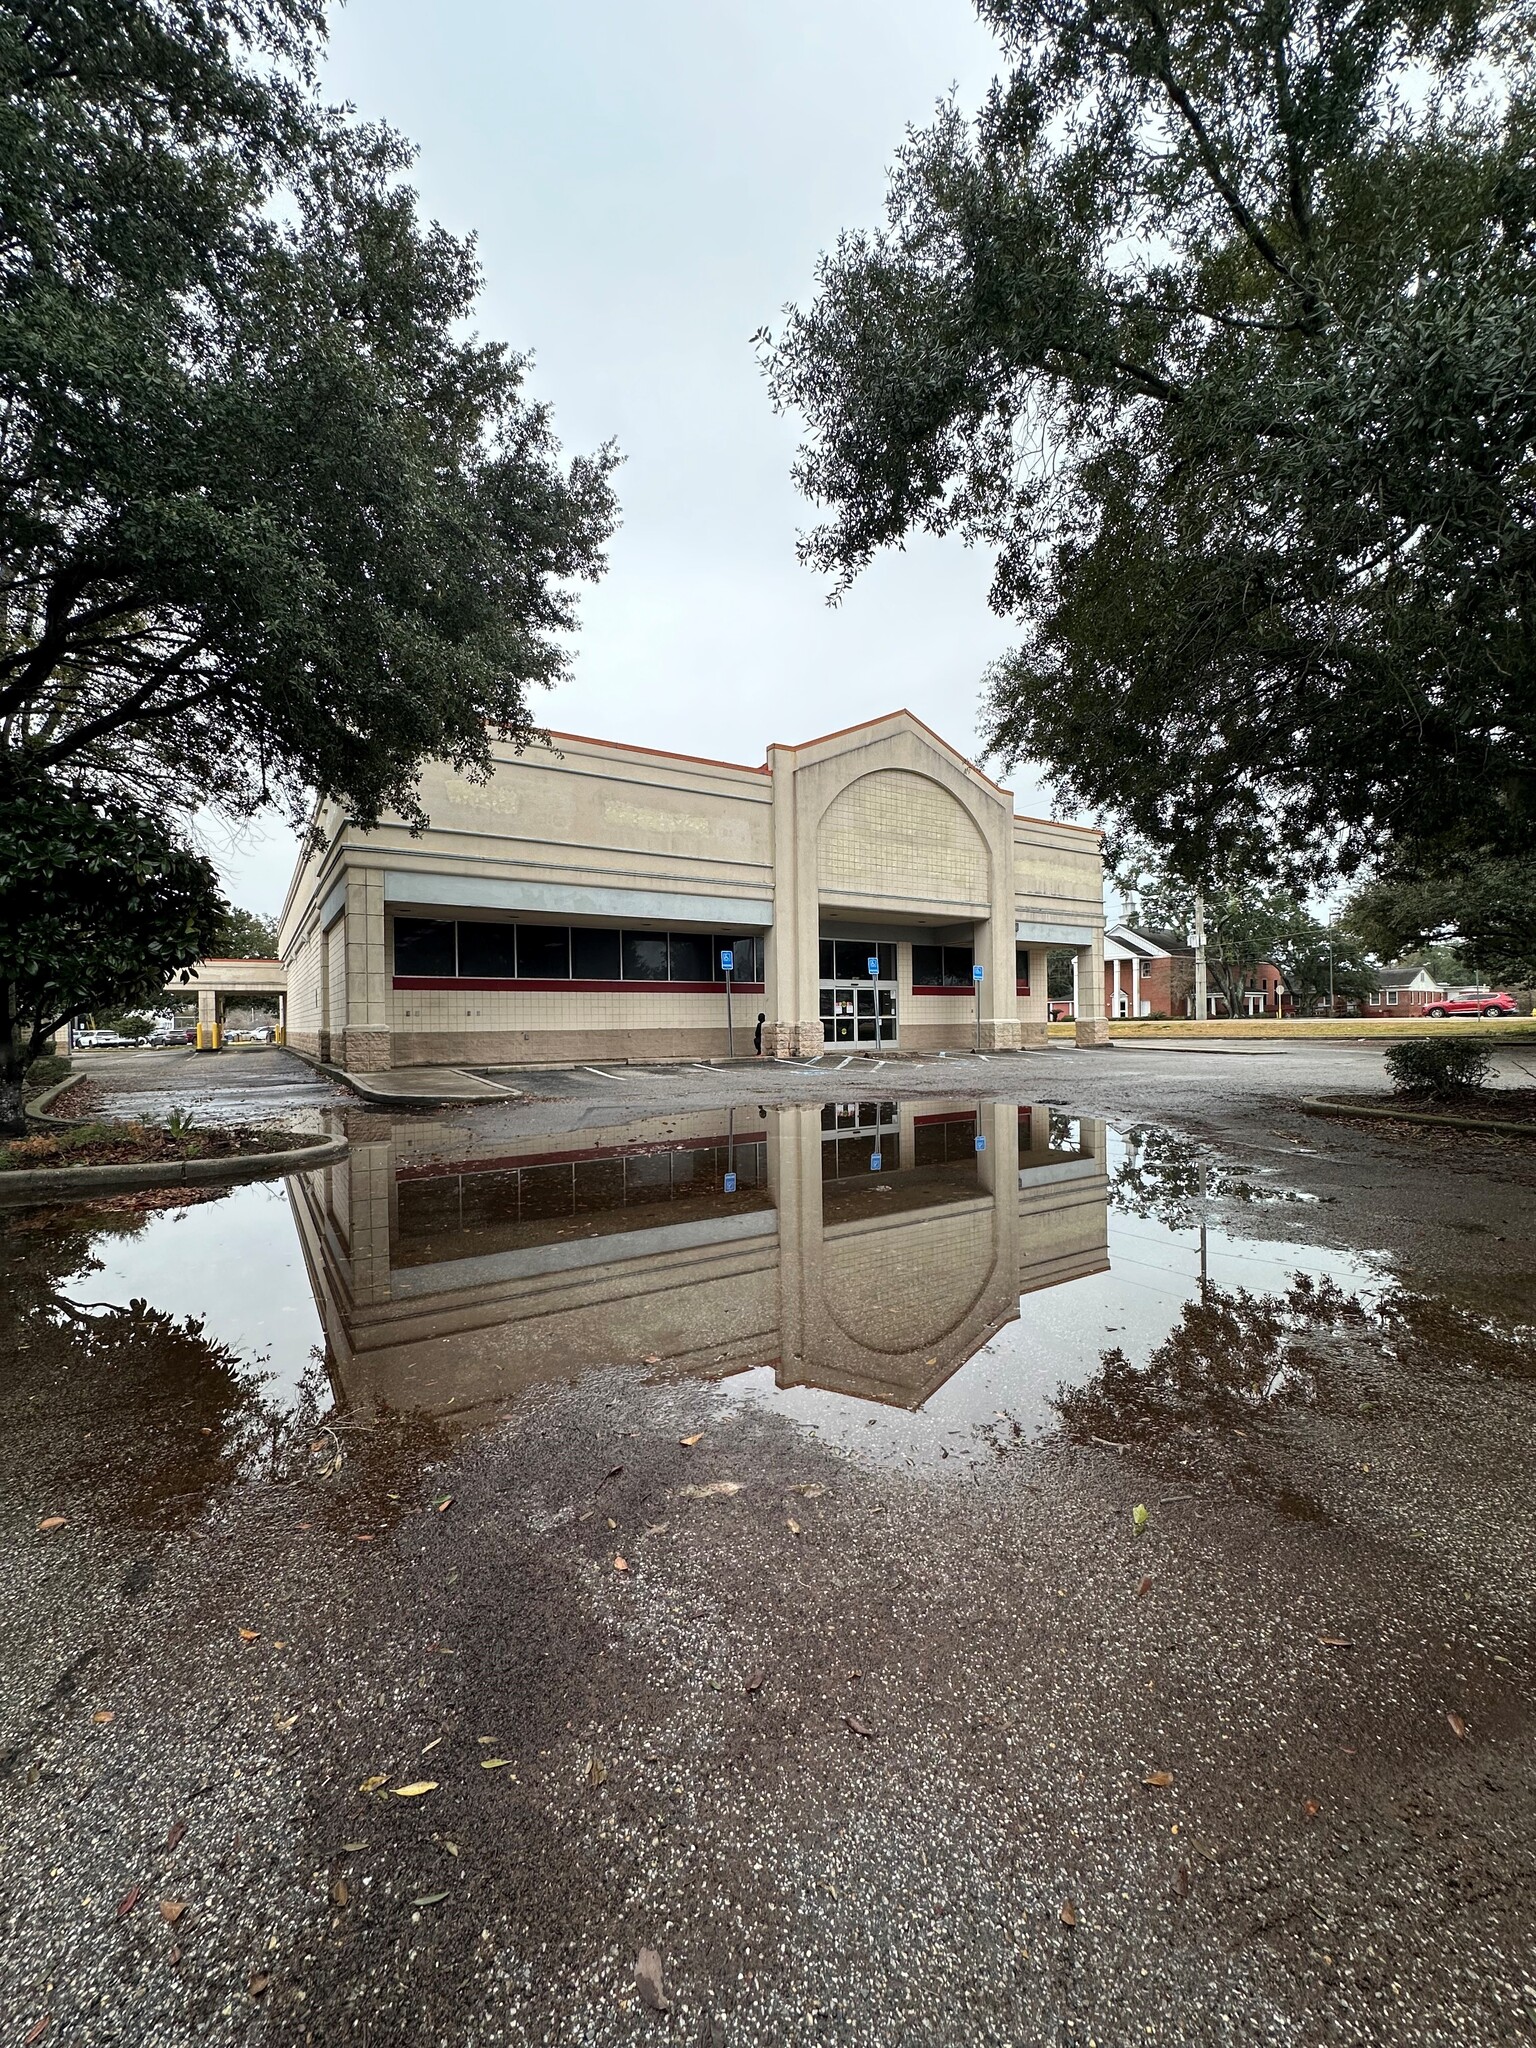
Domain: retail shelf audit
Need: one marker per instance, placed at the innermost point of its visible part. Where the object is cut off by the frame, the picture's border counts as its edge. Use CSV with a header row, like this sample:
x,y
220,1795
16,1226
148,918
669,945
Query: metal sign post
x,y
728,962
873,964
976,976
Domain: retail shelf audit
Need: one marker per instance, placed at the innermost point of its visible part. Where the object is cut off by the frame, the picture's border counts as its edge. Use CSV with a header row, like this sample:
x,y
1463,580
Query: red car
x,y
1500,1005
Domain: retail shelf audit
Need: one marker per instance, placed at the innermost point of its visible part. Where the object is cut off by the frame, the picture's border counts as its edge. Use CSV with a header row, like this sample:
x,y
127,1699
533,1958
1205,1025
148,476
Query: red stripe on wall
x,y
676,988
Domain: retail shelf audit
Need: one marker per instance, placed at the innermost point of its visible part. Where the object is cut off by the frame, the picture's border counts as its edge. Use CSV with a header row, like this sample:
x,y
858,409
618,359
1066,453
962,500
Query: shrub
x,y
1440,1067
45,1071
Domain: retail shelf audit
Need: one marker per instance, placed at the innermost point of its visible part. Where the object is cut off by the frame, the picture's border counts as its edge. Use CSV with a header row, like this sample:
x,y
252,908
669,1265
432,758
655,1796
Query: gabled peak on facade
x,y
866,728
1146,938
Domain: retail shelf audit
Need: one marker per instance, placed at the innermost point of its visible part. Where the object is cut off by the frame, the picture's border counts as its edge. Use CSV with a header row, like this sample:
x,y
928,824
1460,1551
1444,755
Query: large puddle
x,y
920,1281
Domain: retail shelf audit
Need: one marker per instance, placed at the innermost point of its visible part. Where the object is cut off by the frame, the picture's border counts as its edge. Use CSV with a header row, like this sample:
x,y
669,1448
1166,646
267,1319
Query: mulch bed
x,y
136,1145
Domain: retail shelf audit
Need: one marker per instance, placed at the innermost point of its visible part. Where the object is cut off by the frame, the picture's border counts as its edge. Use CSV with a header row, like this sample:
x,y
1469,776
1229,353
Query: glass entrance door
x,y
858,1010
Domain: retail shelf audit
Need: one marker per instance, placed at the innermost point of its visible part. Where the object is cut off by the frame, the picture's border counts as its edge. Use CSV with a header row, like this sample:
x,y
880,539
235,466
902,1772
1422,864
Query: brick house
x,y
1407,991
1152,974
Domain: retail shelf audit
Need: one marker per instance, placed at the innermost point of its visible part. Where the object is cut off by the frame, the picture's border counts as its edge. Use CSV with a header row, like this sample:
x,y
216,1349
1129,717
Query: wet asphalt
x,y
868,1751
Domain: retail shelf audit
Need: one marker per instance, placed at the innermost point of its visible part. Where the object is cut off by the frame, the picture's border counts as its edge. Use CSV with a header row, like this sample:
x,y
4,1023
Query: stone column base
x,y
363,1052
1033,1037
1093,1031
999,1034
792,1041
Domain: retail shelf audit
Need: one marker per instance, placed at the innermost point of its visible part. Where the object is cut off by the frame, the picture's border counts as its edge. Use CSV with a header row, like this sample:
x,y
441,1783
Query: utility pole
x,y
1202,1005
1329,944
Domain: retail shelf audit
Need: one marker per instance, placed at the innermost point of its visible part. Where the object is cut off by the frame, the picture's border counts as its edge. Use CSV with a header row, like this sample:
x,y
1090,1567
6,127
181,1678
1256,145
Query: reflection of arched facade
x,y
867,1248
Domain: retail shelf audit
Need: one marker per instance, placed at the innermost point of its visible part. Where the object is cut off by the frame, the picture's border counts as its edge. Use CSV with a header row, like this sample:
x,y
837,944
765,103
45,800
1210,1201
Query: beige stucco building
x,y
577,906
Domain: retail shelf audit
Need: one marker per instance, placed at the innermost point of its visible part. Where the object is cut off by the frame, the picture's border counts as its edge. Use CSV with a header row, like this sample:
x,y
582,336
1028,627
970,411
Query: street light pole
x,y
1202,1001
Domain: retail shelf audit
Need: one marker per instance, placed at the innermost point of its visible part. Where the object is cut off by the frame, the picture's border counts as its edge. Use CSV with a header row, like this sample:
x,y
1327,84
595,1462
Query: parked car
x,y
1487,1005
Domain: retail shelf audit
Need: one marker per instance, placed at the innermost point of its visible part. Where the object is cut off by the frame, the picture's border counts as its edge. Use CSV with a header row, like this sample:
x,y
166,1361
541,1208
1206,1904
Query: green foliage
x,y
271,521
99,906
245,935
1245,923
1487,906
1215,325
1442,1068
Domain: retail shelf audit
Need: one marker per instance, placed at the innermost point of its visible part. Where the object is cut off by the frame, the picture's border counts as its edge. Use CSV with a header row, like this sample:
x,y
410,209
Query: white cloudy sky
x,y
651,181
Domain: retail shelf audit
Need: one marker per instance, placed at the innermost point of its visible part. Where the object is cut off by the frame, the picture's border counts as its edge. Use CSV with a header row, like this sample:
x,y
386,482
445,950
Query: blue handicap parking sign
x,y
874,1162
730,1183
727,960
873,964
981,1144
977,973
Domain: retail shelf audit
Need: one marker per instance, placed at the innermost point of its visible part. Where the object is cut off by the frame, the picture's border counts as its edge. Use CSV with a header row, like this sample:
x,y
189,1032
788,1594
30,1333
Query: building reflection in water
x,y
867,1248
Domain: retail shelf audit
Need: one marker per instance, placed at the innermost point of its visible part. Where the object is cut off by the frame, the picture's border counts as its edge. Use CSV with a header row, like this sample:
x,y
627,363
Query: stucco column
x,y
1092,1024
1034,1009
793,1029
994,948
365,1039
207,1020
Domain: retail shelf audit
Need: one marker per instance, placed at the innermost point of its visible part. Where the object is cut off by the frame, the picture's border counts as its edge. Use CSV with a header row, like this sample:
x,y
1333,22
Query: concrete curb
x,y
1319,1105
31,1185
386,1098
37,1109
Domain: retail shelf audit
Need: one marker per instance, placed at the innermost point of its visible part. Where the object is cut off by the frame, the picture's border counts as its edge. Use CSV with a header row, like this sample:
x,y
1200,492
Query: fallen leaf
x,y
250,1635
175,1955
493,1763
597,1772
415,1790
171,1910
1312,1808
651,1358
177,1829
1458,1727
811,1491
1145,1586
352,1848
1336,1642
794,1526
430,1746
256,1985
339,1893
612,1473
37,2030
1159,1780
1068,1913
621,1564
754,1680
443,1501
1181,1882
373,1784
128,1901
430,1899
283,1723
1139,1517
711,1490
451,1847
688,1442
859,1727
103,1715
50,1522
648,1981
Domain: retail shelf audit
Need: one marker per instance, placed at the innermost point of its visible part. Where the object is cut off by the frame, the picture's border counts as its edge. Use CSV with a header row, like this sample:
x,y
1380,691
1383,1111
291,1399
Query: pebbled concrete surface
x,y
843,1777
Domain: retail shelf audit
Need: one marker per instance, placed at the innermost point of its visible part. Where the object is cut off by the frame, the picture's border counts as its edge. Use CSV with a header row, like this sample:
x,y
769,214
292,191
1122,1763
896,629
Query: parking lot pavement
x,y
262,1085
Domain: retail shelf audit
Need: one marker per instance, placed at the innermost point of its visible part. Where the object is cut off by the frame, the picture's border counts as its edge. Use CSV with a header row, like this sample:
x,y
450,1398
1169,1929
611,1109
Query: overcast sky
x,y
651,181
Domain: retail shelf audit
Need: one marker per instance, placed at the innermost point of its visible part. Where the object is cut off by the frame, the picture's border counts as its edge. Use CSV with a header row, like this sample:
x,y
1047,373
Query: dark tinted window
x,y
828,971
690,956
488,949
594,954
645,956
1021,966
958,961
543,952
423,945
927,966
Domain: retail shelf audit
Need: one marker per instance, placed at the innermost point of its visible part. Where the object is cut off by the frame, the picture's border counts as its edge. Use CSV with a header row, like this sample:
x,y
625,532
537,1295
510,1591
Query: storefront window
x,y
424,945
488,950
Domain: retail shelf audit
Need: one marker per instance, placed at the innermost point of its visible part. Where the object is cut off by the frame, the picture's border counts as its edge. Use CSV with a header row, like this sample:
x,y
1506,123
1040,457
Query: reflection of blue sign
x,y
727,960
981,1144
873,964
730,1183
977,973
874,1162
